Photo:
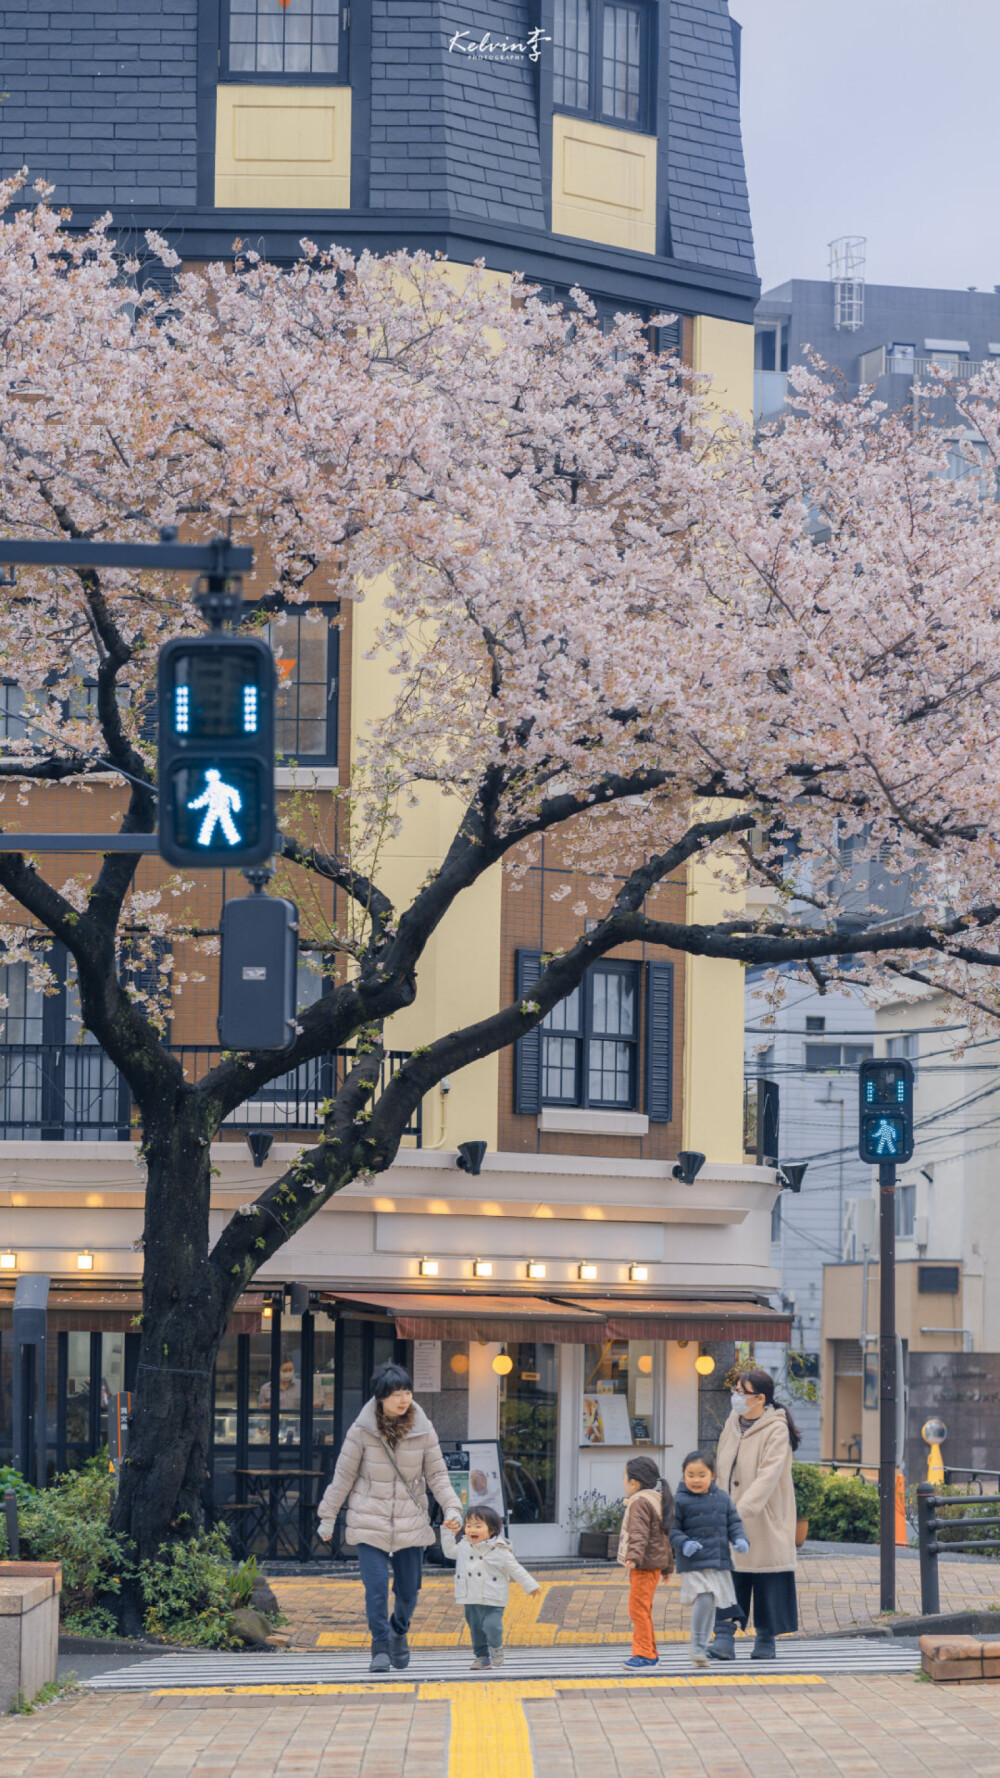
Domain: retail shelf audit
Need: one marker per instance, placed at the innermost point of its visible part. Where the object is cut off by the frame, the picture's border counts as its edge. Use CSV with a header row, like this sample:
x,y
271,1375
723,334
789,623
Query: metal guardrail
x,y
928,1526
72,1092
972,1476
868,1472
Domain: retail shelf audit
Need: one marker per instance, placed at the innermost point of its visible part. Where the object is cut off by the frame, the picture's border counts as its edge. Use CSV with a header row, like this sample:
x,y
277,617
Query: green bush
x,y
810,1486
68,1523
848,1512
190,1591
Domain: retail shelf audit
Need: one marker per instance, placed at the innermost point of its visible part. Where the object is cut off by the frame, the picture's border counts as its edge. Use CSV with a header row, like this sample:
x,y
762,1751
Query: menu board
x,y
426,1367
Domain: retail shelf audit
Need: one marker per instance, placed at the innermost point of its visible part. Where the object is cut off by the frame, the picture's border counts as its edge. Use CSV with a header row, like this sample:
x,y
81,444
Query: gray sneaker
x,y
480,1664
380,1659
496,1657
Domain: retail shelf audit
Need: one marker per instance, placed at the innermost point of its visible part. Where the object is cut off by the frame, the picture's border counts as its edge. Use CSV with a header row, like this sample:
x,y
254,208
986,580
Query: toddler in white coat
x,y
485,1565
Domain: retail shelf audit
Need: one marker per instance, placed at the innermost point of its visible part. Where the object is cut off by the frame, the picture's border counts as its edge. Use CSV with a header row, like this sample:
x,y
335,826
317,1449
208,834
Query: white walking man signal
x,y
220,802
886,1138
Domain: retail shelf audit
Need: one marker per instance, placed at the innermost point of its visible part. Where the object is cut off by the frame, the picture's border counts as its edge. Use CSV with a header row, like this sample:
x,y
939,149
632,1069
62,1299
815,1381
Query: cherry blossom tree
x,y
611,614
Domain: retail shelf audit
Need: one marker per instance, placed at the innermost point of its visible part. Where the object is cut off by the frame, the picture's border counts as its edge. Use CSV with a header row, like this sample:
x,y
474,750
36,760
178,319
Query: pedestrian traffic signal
x,y
216,751
885,1111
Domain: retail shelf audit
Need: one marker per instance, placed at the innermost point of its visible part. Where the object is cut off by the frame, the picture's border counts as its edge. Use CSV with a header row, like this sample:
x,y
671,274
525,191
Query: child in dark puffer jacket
x,y
705,1524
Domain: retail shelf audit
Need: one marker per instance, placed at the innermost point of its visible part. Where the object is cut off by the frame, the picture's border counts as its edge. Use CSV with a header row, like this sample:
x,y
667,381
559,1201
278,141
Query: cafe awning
x,y
656,1318
473,1317
469,1316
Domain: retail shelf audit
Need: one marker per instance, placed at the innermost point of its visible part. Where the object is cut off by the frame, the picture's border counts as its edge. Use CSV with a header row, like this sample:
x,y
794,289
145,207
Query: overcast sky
x,y
877,118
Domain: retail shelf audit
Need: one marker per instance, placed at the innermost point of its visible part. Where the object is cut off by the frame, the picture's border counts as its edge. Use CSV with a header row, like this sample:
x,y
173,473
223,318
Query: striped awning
x,y
656,1318
582,1321
472,1317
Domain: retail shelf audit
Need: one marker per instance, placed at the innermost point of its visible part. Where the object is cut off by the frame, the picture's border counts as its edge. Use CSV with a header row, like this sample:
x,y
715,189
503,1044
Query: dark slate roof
x,y
113,102
709,206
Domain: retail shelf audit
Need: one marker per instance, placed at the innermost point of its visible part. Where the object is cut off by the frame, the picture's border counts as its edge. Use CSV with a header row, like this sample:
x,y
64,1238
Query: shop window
x,y
285,39
602,60
529,1396
586,1051
618,1394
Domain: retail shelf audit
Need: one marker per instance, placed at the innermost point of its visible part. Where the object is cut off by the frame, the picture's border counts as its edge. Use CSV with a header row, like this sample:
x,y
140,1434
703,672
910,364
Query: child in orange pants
x,y
644,1549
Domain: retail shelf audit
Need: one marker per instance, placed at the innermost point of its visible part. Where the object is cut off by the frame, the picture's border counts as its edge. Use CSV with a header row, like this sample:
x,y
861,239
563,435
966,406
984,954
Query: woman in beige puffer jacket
x,y
388,1460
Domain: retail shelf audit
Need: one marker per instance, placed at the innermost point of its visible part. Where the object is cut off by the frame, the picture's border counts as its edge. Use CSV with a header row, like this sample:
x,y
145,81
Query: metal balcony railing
x,y
880,362
72,1092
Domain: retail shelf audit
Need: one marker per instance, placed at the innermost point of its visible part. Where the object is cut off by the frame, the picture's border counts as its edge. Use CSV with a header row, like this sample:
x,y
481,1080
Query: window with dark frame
x,y
601,60
306,648
590,1042
285,39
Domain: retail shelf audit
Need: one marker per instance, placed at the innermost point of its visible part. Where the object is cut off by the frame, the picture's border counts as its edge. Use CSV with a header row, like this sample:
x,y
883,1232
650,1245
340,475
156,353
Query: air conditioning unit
x,y
860,1230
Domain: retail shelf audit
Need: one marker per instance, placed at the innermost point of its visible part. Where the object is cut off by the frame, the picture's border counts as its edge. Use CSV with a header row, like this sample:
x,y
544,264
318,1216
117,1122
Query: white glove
x,y
325,1530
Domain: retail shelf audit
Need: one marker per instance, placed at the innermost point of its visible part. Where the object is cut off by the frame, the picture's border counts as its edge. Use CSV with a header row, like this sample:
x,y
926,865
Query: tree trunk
x,y
163,1478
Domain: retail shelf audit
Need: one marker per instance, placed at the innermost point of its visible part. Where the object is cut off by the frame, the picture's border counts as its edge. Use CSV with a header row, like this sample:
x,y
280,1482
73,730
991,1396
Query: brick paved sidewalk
x,y
852,1726
590,1605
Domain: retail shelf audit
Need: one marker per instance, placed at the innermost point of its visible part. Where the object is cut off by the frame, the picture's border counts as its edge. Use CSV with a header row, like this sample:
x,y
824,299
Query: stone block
x,y
952,1657
29,1631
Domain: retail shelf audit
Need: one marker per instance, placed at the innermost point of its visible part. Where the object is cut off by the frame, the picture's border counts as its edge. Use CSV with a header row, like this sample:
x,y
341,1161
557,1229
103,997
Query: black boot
x,y
723,1644
763,1649
399,1648
380,1658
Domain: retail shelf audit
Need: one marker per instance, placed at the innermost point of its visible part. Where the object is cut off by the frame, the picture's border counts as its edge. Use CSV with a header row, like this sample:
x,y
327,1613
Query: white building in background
x,y
812,1051
947,1256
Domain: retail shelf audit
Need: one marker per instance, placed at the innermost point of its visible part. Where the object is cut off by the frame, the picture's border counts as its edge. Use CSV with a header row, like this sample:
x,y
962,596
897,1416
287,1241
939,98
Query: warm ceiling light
x,y
8,1262
482,1268
503,1364
428,1268
587,1273
459,1363
645,1363
639,1274
266,1312
704,1365
536,1268
84,1262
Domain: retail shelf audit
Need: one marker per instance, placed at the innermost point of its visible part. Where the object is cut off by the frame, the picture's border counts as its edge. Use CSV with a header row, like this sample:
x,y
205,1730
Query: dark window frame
x,y
584,1035
260,77
594,109
331,755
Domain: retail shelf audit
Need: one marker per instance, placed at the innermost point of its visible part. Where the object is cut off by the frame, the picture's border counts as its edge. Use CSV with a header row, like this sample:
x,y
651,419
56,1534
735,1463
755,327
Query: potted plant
x,y
809,1484
598,1521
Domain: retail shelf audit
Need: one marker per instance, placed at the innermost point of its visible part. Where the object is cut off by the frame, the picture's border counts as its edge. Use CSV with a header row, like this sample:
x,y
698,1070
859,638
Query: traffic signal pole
x,y
888,1384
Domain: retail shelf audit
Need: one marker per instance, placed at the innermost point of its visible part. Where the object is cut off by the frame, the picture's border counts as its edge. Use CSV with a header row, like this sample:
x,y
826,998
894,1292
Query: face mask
x,y
739,1402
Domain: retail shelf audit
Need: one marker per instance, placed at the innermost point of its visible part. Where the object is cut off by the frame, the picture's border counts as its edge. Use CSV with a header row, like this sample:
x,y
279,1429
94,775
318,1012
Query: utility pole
x,y
885,1136
887,1383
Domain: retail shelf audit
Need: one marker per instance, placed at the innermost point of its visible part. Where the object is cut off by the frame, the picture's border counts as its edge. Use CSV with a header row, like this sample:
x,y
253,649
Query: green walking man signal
x,y
216,750
885,1111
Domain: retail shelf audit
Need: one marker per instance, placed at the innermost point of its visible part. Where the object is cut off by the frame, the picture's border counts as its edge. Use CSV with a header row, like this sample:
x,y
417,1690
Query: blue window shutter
x,y
659,1041
528,1050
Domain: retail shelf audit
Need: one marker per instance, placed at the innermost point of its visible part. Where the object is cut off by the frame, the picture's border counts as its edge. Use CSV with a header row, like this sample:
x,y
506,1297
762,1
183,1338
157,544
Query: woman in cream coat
x,y
755,1468
388,1460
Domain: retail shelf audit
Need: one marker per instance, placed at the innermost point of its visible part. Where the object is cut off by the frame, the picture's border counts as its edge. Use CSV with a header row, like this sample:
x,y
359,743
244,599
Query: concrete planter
x,y
29,1628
